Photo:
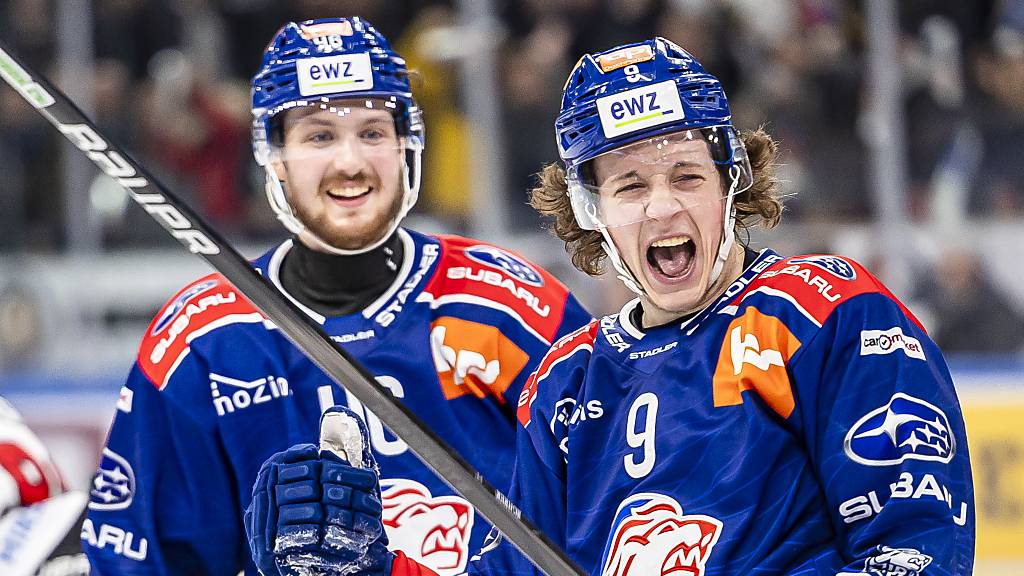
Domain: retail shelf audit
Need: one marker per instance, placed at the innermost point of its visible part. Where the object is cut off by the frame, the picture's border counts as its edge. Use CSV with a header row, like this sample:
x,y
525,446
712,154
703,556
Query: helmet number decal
x,y
633,74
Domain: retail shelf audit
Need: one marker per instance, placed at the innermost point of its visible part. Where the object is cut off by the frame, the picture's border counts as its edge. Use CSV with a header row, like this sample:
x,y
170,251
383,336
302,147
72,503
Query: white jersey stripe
x,y
461,298
570,354
225,321
777,293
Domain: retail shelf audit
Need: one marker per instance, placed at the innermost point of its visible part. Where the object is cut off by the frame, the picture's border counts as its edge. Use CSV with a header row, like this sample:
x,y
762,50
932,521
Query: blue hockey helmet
x,y
597,114
635,93
314,62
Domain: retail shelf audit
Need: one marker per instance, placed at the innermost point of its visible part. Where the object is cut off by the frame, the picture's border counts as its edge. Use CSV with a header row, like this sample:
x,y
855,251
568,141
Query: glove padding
x,y
314,513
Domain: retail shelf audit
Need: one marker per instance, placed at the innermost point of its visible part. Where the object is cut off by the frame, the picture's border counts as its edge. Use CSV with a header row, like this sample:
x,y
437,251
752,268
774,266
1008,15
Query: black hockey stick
x,y
182,223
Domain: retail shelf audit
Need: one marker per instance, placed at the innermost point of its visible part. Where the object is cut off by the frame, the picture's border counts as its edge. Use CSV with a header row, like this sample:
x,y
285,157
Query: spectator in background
x,y
999,191
26,142
28,145
532,74
431,46
193,127
133,31
28,25
970,314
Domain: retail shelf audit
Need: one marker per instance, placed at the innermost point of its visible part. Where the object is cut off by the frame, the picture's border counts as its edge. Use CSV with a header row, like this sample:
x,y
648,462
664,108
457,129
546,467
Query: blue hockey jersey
x,y
217,389
802,424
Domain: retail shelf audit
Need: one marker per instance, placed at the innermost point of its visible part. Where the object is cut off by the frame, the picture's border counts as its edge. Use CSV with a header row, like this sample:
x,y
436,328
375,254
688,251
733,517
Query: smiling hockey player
x,y
451,326
747,413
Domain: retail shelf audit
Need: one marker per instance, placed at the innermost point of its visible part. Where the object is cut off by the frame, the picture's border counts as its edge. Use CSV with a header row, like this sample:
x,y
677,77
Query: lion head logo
x,y
896,562
651,535
434,531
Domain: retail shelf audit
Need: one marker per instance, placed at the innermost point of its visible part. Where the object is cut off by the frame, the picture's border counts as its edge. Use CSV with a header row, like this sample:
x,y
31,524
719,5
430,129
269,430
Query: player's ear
x,y
278,165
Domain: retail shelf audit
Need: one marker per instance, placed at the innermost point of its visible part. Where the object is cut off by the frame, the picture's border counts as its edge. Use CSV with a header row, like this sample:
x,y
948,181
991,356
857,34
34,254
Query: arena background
x,y
902,128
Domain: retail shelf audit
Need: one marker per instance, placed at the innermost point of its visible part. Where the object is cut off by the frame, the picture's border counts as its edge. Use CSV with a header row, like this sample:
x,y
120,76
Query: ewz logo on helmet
x,y
331,74
639,108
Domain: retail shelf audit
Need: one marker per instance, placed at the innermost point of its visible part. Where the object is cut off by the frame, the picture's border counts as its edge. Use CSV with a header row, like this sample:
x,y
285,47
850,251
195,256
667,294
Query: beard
x,y
350,237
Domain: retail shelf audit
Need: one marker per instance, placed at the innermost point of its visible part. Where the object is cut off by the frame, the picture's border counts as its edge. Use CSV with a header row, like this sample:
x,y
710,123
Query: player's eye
x,y
687,179
319,137
375,135
629,190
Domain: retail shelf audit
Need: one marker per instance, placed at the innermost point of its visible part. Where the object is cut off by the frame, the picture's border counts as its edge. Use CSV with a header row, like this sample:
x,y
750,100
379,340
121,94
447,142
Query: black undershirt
x,y
335,285
637,315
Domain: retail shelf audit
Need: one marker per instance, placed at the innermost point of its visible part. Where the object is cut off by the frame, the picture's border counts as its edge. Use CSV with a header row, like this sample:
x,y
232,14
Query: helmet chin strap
x,y
728,226
624,273
278,199
626,276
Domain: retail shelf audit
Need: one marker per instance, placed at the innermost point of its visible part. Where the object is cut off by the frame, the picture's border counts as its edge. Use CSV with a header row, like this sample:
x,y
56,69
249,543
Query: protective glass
x,y
643,174
334,131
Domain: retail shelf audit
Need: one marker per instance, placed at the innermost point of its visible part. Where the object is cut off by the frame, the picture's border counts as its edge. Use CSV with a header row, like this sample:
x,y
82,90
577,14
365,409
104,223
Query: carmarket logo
x,y
888,341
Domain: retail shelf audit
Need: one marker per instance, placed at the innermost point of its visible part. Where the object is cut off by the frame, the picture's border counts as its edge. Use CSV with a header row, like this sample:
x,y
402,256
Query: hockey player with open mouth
x,y
747,413
451,326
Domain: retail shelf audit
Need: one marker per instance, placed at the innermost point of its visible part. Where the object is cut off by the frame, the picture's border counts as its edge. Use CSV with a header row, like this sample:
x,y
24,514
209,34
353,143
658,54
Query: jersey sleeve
x,y
542,451
539,480
495,316
574,318
163,500
877,408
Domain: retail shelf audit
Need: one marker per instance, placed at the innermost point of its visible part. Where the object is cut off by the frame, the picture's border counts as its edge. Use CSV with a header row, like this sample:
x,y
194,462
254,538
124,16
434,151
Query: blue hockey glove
x,y
312,512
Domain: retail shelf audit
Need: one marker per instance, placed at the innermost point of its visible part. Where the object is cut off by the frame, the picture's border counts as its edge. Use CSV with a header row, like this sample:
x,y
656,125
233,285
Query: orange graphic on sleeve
x,y
753,357
473,358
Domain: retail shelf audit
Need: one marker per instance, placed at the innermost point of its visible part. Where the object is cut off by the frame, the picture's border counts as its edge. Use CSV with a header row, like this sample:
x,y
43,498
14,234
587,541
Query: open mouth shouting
x,y
671,259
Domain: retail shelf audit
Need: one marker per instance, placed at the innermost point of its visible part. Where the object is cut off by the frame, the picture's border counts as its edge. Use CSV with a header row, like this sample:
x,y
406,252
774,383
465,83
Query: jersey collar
x,y
274,274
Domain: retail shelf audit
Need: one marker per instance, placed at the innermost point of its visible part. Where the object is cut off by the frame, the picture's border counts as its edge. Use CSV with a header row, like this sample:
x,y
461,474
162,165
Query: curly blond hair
x,y
761,204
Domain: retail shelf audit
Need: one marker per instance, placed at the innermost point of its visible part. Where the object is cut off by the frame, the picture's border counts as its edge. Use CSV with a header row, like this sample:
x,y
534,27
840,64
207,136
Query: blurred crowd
x,y
169,80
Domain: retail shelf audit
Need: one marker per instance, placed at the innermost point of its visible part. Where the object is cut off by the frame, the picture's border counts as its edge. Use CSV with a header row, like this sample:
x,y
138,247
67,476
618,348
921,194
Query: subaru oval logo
x,y
513,266
179,303
114,483
833,264
905,428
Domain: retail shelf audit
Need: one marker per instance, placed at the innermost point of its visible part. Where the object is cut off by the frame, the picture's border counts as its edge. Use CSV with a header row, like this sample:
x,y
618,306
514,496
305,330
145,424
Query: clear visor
x,y
653,177
340,132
